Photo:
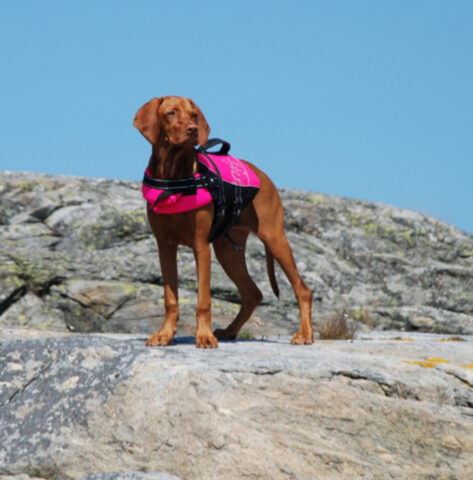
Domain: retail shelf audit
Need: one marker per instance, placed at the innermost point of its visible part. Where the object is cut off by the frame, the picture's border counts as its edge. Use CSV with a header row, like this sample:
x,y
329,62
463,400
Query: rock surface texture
x,y
383,406
77,254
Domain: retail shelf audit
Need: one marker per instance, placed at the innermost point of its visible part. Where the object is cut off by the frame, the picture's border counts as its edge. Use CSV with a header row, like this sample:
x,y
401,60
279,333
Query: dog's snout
x,y
192,128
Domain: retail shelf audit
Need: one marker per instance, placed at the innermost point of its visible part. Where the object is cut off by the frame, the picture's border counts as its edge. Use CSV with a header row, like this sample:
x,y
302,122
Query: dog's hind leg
x,y
275,240
234,264
265,218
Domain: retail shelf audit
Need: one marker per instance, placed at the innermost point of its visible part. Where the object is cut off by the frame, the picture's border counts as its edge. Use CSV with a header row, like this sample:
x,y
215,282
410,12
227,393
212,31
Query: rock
x,y
78,254
106,476
131,476
385,405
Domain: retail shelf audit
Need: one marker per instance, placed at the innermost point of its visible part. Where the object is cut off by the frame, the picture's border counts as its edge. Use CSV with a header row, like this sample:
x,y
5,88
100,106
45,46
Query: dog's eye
x,y
171,113
194,116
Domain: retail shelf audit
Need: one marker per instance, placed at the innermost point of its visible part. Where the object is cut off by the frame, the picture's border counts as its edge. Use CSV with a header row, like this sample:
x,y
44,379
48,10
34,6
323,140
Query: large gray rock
x,y
382,406
77,254
103,476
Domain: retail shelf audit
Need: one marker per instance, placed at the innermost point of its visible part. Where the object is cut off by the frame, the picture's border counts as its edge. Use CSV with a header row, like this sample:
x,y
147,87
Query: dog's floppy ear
x,y
147,120
204,128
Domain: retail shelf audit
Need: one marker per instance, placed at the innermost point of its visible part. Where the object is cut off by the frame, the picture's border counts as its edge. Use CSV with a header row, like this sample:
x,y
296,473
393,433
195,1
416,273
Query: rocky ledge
x,y
385,405
77,254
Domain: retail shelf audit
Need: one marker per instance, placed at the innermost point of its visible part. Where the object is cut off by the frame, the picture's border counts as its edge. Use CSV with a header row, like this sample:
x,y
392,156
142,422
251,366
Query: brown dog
x,y
173,126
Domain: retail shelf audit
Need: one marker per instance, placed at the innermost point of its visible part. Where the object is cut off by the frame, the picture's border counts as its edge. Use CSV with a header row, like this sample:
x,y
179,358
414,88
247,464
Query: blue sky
x,y
369,99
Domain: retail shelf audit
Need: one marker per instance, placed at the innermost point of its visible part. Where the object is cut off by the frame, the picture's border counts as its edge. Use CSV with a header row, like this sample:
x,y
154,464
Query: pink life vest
x,y
232,171
221,178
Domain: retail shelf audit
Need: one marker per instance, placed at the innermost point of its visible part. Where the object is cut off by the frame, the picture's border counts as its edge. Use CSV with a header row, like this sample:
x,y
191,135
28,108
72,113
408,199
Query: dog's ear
x,y
147,120
204,128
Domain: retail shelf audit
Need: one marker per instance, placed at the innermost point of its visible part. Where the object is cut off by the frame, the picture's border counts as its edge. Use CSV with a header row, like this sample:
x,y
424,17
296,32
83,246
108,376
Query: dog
x,y
175,126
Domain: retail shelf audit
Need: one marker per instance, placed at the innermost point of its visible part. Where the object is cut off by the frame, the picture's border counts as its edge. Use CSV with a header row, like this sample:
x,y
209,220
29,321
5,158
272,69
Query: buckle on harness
x,y
207,182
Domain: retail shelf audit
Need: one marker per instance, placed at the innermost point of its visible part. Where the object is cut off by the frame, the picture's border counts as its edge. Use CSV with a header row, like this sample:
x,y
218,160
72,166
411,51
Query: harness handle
x,y
224,149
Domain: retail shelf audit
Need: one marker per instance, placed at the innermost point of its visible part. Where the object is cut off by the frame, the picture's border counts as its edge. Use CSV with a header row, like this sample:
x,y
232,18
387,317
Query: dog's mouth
x,y
191,140
194,137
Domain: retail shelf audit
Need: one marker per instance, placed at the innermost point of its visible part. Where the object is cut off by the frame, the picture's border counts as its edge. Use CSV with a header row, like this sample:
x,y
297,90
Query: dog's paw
x,y
206,341
224,334
159,340
302,339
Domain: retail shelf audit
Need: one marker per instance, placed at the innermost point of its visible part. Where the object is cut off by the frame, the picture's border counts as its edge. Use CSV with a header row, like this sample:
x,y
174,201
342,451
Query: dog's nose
x,y
192,129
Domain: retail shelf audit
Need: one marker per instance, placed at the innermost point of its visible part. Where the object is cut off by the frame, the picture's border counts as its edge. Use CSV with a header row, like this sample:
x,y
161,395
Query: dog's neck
x,y
172,161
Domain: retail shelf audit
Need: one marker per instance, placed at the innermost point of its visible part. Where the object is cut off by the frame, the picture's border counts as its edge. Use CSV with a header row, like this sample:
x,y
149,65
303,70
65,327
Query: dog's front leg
x,y
168,260
204,335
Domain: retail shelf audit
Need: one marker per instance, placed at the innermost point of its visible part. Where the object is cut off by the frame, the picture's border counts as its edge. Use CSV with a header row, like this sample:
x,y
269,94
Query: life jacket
x,y
221,178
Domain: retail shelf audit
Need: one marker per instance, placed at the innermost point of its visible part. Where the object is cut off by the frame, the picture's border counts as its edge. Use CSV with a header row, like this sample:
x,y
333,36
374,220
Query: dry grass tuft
x,y
336,327
246,336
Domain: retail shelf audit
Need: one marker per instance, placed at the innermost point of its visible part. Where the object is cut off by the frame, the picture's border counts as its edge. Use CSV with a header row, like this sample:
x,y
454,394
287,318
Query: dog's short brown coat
x,y
173,126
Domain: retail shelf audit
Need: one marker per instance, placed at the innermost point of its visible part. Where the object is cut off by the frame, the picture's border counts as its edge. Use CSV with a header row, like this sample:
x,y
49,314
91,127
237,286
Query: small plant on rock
x,y
246,336
336,327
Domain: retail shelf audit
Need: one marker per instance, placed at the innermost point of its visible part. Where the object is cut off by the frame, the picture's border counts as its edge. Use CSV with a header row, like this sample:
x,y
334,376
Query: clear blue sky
x,y
365,99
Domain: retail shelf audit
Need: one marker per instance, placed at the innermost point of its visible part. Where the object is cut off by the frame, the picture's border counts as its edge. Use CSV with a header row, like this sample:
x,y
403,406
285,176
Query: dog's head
x,y
172,120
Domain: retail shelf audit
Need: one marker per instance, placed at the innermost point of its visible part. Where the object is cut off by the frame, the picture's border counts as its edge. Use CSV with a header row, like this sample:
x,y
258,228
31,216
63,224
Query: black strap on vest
x,y
220,202
186,186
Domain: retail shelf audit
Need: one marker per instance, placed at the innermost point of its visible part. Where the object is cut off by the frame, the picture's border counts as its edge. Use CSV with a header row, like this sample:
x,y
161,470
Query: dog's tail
x,y
271,275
